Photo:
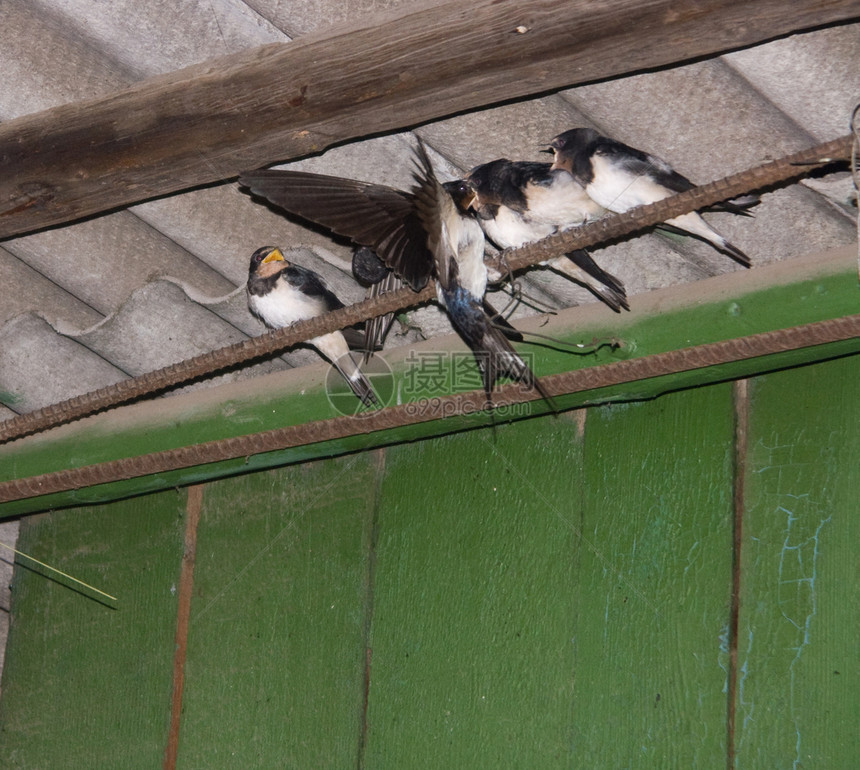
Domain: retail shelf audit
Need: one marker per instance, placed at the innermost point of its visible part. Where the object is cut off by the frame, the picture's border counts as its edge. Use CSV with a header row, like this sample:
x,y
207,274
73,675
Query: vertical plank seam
x,y
368,607
581,417
740,401
194,506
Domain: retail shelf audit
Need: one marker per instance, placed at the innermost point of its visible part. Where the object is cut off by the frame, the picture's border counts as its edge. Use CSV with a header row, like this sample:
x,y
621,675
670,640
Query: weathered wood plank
x,y
278,618
798,662
474,600
85,685
655,581
208,122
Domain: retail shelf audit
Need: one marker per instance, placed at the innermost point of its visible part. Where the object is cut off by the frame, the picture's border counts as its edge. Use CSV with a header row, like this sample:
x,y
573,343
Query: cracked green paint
x,y
799,663
553,593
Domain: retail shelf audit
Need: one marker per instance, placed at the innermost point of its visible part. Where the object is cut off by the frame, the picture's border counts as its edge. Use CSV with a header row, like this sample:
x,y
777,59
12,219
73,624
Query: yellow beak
x,y
274,256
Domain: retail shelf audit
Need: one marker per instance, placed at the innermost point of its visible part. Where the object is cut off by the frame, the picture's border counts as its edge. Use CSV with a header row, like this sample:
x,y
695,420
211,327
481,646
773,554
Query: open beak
x,y
463,195
274,256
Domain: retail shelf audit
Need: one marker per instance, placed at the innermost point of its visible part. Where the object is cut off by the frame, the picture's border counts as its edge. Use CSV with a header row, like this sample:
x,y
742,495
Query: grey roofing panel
x,y
39,367
383,160
302,17
101,261
518,131
813,78
44,65
652,261
25,290
791,222
233,309
703,118
158,325
223,226
159,36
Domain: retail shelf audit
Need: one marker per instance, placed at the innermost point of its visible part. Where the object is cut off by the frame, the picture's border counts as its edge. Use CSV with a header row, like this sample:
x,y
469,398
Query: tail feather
x,y
495,356
376,329
739,205
501,323
612,291
693,224
579,266
333,347
356,339
735,253
359,384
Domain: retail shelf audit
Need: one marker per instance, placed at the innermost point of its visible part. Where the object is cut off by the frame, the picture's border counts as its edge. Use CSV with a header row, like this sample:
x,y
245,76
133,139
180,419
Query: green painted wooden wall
x,y
551,593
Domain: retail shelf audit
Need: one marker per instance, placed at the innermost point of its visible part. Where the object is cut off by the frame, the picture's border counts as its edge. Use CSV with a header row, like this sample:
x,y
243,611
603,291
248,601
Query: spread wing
x,y
372,215
437,215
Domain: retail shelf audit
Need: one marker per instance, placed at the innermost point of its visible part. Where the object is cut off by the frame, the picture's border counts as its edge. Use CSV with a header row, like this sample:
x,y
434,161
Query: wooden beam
x,y
208,122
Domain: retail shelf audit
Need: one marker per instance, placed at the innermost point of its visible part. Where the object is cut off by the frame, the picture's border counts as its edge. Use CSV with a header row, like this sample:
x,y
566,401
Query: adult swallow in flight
x,y
369,270
518,202
619,177
456,243
428,232
281,293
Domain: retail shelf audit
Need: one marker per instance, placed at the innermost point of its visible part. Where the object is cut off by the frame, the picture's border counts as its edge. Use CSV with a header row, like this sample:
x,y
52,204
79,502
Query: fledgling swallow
x,y
281,293
518,202
402,229
619,178
379,218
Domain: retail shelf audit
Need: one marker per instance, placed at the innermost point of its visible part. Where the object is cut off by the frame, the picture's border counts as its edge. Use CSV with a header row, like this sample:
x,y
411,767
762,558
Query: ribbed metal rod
x,y
616,373
609,228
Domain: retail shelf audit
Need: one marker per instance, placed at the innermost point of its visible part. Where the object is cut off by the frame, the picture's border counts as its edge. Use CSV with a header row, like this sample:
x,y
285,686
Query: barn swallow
x,y
619,177
281,293
456,243
427,232
371,271
518,202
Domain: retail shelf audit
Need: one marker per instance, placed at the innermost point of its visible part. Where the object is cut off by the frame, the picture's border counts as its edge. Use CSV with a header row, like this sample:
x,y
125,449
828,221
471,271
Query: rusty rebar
x,y
205,364
609,228
602,376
